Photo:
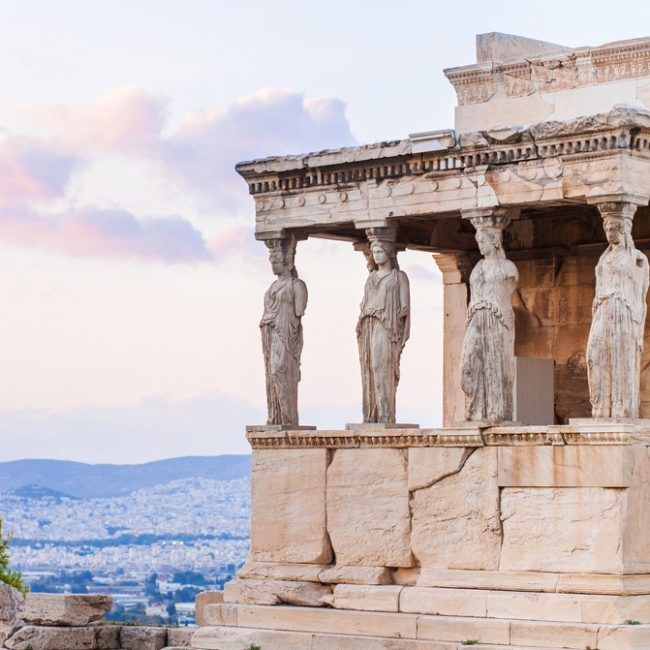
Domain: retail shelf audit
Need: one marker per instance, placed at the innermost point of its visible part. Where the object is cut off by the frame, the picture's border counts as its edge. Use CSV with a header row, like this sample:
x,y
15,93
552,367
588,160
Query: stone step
x,y
446,601
215,638
566,608
505,632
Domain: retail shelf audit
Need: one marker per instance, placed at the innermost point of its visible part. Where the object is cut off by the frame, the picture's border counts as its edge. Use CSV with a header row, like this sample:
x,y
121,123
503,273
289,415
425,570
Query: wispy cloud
x,y
32,170
202,153
198,157
106,232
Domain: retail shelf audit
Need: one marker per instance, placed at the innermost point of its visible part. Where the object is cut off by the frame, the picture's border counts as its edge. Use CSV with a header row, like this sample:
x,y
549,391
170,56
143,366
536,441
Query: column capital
x,y
621,206
619,197
281,234
455,267
496,216
617,209
367,224
268,235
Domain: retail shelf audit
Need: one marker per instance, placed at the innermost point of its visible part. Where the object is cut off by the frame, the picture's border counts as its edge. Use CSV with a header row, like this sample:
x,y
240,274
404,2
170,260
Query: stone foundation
x,y
74,622
521,537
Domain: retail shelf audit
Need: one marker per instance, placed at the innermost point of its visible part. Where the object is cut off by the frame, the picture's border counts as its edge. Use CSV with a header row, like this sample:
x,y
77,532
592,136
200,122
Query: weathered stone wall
x,y
556,508
554,297
553,316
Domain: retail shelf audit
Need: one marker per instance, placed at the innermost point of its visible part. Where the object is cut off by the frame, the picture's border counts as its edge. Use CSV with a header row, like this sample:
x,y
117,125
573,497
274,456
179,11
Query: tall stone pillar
x,y
618,317
455,269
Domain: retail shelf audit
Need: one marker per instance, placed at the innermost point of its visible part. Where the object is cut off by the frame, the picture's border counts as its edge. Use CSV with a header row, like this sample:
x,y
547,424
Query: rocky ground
x,y
74,622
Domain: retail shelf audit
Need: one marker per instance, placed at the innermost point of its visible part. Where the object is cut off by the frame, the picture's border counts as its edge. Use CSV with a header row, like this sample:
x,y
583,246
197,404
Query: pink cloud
x,y
199,156
202,153
106,233
124,120
32,170
239,241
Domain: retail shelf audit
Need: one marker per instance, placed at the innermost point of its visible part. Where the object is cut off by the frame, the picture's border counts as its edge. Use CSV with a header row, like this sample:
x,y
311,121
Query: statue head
x,y
382,252
618,231
281,255
489,239
617,222
382,246
489,231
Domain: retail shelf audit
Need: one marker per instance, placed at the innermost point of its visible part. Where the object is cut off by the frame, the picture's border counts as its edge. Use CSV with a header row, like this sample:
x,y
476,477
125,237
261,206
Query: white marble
x,y
383,327
619,311
488,355
284,305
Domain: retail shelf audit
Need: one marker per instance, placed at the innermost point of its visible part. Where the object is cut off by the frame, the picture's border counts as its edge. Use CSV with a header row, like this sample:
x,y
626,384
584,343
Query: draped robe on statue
x,y
488,357
616,334
282,344
382,332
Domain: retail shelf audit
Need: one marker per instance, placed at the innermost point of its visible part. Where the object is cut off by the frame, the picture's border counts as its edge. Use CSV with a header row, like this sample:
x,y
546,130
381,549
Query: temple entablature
x,y
431,176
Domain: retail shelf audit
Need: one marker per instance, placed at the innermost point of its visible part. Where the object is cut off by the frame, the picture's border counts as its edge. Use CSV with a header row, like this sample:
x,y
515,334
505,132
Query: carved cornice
x,y
330,177
550,73
452,437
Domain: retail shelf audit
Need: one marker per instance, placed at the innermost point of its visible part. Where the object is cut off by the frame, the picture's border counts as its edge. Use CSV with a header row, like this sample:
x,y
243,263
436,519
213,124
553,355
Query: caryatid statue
x,y
488,355
383,327
284,304
618,318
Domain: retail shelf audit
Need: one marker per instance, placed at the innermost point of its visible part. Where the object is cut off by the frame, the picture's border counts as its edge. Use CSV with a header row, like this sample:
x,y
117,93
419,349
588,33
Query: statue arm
x,y
644,293
405,306
299,297
513,274
404,294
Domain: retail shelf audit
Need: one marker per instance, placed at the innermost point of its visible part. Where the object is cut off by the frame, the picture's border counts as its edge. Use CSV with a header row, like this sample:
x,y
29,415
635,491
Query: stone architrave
x,y
383,327
284,305
488,354
618,321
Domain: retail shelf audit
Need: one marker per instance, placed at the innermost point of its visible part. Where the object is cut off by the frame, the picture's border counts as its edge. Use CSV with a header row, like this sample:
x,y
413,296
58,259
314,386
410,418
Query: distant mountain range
x,y
37,478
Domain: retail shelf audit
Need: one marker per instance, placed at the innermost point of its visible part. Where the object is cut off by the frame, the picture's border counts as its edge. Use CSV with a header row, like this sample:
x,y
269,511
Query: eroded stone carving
x,y
284,304
619,312
488,355
383,326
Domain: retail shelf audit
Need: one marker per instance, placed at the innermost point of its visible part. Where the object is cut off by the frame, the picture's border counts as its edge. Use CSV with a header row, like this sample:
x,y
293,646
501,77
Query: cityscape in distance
x,y
151,535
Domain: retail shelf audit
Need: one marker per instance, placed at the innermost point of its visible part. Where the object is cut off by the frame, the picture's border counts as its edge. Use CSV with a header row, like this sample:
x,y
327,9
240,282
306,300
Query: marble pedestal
x,y
512,536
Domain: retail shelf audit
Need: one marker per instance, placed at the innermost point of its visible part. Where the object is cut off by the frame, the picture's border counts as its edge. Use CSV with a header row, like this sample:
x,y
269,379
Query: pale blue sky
x,y
130,281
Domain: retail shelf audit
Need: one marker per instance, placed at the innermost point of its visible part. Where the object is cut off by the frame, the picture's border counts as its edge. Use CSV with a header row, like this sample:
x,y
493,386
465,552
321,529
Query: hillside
x,y
87,481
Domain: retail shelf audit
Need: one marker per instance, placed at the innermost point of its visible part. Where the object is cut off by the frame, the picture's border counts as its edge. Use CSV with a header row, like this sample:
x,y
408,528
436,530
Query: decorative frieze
x,y
519,166
582,67
588,432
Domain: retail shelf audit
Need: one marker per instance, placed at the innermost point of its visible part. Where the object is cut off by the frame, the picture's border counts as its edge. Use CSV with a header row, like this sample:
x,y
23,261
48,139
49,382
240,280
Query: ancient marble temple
x,y
523,521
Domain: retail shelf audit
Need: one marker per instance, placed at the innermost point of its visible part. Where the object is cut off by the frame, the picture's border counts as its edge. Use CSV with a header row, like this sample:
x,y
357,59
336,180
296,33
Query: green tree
x,y
7,574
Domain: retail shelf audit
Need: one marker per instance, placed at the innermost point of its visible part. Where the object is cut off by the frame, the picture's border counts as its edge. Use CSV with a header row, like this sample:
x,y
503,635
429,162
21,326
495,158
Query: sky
x,y
130,279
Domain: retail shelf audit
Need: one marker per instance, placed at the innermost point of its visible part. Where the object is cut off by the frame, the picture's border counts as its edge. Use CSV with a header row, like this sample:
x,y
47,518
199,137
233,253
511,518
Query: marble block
x,y
288,506
368,515
455,521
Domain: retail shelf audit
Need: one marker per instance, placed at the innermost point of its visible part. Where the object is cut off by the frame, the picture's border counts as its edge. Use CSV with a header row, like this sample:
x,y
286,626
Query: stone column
x,y
487,363
455,269
618,317
284,305
384,325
